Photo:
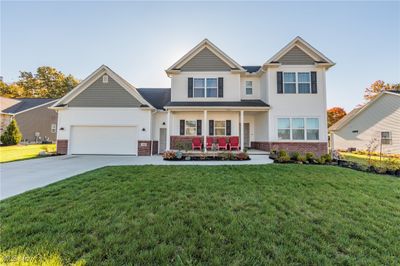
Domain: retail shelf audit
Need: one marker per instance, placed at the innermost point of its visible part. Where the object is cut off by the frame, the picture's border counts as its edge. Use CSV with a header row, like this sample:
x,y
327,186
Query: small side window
x,y
386,137
53,128
249,87
105,79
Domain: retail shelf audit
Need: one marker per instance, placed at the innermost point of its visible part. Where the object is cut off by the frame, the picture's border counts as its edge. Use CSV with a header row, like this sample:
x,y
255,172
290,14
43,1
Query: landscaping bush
x,y
12,135
295,156
169,155
310,156
327,158
242,156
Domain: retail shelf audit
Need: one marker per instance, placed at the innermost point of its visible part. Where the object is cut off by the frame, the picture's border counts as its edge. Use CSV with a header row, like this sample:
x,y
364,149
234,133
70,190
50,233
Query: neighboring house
x,y
36,121
278,105
5,118
376,123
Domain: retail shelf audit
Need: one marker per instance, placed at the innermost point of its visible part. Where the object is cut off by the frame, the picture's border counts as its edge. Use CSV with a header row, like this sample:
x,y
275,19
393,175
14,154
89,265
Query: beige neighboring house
x,y
378,121
36,121
5,118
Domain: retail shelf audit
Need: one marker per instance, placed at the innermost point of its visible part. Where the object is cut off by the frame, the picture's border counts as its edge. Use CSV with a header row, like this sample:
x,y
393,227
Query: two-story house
x,y
278,105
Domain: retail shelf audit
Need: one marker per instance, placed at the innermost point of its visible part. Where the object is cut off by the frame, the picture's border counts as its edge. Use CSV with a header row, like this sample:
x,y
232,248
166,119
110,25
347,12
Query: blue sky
x,y
139,40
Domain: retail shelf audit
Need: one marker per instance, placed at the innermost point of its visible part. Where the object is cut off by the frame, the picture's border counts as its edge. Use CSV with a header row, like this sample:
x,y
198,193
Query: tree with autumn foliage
x,y
335,114
377,87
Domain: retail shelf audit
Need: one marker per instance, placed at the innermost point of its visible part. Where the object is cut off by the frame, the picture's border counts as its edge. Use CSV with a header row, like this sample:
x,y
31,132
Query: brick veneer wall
x,y
155,146
319,148
144,147
62,146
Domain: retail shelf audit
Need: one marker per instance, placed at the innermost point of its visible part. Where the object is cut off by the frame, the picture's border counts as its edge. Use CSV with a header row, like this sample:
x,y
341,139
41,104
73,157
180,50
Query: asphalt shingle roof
x,y
157,97
251,69
26,103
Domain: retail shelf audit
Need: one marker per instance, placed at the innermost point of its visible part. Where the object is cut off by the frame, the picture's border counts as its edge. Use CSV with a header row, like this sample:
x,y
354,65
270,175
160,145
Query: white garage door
x,y
103,140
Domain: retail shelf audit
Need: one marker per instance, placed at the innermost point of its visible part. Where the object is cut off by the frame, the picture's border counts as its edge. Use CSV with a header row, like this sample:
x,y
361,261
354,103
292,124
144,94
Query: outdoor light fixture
x,y
143,129
61,128
163,123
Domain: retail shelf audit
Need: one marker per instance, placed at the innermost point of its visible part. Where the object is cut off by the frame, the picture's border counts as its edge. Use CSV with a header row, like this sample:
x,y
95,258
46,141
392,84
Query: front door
x,y
246,134
163,139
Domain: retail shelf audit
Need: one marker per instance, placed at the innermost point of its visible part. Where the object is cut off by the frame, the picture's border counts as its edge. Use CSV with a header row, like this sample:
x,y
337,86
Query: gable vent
x,y
105,79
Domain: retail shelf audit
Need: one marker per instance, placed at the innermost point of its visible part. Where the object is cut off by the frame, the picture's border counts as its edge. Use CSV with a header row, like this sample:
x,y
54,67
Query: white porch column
x,y
205,130
168,130
241,130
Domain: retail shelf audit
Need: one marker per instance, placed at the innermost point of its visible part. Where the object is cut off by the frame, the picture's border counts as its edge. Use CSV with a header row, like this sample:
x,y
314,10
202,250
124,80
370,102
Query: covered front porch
x,y
186,126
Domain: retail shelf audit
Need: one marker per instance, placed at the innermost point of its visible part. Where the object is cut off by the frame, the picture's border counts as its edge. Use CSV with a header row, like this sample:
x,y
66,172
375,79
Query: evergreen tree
x,y
12,135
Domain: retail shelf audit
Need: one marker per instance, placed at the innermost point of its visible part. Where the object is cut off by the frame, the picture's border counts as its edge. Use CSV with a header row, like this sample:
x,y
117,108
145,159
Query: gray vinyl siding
x,y
37,120
205,60
296,57
101,94
382,115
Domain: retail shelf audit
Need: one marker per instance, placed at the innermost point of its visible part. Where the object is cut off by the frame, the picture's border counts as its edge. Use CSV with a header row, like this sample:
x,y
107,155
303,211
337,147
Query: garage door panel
x,y
103,140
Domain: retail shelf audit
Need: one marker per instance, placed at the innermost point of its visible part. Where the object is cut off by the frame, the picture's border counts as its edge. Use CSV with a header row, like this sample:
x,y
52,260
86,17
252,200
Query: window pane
x,y
303,77
198,92
219,123
191,123
249,91
312,134
212,92
190,131
313,123
290,87
298,134
304,88
219,132
297,123
283,133
249,83
212,83
289,77
283,123
385,135
198,83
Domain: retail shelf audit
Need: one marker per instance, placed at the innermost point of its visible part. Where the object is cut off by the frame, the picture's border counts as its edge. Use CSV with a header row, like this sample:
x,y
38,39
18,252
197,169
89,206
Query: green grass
x,y
22,152
231,215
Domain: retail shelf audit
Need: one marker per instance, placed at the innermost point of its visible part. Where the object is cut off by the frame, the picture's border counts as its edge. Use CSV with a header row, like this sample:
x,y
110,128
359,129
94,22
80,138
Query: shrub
x,y
242,156
310,156
12,135
295,156
302,159
283,159
321,160
281,153
327,158
169,155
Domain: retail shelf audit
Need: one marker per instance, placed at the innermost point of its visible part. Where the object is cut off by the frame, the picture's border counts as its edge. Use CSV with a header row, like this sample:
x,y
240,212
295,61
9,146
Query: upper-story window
x,y
205,87
249,87
296,82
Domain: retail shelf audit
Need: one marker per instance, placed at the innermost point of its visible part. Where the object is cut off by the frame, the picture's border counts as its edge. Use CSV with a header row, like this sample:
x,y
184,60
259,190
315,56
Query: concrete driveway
x,y
21,176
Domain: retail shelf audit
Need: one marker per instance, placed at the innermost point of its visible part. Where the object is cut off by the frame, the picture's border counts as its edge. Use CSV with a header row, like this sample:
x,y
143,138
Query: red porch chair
x,y
209,143
196,143
222,144
234,143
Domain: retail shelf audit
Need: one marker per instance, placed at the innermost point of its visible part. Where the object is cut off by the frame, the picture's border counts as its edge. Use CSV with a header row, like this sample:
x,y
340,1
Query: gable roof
x,y
7,102
197,49
92,78
356,111
158,97
251,69
25,104
298,42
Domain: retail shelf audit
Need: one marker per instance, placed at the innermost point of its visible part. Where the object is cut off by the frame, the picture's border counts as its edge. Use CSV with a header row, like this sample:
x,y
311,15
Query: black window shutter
x,y
198,127
190,87
220,87
211,127
181,127
228,127
279,82
314,82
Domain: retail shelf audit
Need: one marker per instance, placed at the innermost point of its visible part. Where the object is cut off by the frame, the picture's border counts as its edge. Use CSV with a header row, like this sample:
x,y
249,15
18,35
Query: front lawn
x,y
231,215
21,152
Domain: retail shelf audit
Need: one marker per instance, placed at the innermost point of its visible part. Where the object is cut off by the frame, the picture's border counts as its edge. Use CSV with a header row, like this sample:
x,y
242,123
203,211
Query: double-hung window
x,y
249,87
386,137
289,82
298,128
297,82
190,127
219,128
205,87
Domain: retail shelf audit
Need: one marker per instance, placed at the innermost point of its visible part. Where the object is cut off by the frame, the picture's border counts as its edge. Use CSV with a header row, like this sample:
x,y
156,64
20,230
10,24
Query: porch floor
x,y
249,151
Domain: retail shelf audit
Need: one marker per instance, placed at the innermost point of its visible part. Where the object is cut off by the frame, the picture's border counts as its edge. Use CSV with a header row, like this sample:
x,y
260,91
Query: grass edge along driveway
x,y
243,215
23,152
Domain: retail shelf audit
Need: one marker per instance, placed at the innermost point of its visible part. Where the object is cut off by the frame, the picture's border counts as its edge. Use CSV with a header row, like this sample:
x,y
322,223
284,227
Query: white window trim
x,y
305,129
53,128
205,88
105,79
215,127
248,87
195,127
296,82
388,138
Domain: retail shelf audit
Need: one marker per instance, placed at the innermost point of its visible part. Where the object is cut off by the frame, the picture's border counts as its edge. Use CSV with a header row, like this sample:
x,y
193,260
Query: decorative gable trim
x,y
317,56
175,68
63,102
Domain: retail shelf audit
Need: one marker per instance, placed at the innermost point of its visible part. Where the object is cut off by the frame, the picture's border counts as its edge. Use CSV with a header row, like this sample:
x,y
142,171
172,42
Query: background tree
x,y
377,87
12,135
335,114
47,82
